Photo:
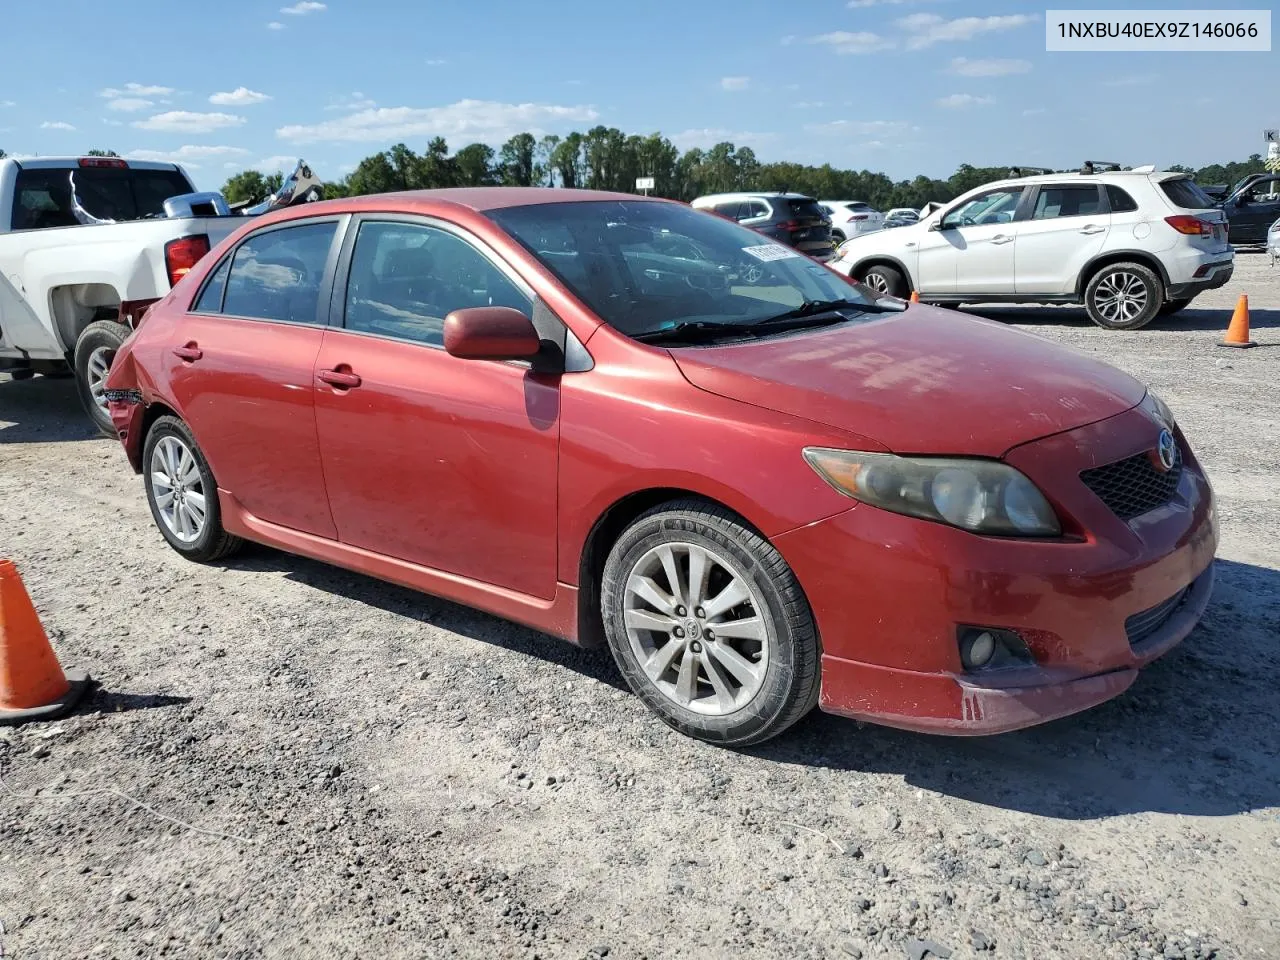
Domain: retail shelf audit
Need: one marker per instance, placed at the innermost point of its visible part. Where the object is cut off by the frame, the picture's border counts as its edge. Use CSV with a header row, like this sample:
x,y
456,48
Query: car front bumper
x,y
891,593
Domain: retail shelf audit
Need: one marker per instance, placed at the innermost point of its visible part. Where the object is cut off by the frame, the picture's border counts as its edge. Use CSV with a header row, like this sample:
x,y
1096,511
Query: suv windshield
x,y
645,266
43,196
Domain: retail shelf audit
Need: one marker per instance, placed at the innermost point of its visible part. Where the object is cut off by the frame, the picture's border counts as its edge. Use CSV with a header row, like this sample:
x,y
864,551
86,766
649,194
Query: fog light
x,y
977,650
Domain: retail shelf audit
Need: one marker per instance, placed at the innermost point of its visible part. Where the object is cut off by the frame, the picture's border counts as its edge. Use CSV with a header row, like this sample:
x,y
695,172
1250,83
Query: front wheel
x,y
1123,296
182,493
886,281
709,626
95,350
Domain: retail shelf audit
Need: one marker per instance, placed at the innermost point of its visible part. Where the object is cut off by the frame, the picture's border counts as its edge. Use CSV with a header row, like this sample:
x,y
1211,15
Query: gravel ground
x,y
333,767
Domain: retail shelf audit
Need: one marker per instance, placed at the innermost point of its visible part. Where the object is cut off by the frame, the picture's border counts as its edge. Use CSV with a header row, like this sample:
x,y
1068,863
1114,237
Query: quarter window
x,y
1054,202
211,296
406,278
1120,200
276,274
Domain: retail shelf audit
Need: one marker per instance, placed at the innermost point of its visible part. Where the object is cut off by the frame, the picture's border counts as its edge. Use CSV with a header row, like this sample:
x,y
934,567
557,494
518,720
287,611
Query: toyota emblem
x,y
1167,450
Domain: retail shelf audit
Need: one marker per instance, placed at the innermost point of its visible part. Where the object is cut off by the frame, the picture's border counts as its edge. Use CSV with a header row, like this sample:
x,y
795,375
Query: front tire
x,y
886,281
1123,296
95,350
709,626
183,494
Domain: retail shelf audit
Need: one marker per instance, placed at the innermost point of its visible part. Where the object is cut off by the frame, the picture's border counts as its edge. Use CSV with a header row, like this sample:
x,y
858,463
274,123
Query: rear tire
x,y
1123,296
728,653
886,281
95,350
183,494
1174,306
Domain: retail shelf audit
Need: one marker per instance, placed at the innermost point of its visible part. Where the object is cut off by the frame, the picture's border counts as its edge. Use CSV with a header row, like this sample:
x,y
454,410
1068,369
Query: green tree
x,y
517,160
437,167
544,168
374,174
102,153
566,157
474,164
248,185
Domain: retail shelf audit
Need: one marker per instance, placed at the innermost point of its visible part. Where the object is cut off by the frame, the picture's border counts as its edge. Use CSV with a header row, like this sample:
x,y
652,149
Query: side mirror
x,y
490,333
938,225
1241,200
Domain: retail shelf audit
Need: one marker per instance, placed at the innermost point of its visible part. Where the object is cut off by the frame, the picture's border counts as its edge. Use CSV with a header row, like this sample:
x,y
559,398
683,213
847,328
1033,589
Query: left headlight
x,y
982,496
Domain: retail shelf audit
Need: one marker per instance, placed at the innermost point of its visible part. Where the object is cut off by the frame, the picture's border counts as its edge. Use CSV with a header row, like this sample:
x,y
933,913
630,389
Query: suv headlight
x,y
982,496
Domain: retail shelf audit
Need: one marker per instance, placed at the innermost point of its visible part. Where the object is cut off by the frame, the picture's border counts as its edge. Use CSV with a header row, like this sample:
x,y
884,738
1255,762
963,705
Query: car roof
x,y
753,194
1100,176
484,198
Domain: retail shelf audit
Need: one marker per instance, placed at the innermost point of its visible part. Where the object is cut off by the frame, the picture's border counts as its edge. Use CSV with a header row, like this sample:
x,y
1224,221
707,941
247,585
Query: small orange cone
x,y
915,296
32,684
1238,331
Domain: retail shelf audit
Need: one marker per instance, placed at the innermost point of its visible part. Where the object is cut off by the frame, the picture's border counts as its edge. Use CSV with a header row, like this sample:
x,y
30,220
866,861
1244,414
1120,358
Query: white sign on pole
x,y
1271,136
644,183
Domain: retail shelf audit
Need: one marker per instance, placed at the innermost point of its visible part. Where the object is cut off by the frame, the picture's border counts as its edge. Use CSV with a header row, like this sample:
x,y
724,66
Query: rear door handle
x,y
342,379
1001,238
189,352
1091,229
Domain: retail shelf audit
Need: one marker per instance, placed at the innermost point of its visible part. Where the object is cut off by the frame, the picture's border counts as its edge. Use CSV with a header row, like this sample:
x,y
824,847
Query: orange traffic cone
x,y
1238,331
915,296
32,684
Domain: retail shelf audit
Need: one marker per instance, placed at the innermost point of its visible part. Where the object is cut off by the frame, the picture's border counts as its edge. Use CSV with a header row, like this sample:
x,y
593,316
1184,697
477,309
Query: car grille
x,y
1142,625
1134,486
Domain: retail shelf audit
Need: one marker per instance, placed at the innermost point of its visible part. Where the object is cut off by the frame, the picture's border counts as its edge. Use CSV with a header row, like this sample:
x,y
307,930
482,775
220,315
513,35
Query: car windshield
x,y
646,266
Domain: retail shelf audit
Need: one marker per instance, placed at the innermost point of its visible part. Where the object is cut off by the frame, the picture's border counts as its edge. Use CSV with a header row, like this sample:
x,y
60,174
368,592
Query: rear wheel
x,y
183,494
886,280
709,626
1123,296
1174,306
95,349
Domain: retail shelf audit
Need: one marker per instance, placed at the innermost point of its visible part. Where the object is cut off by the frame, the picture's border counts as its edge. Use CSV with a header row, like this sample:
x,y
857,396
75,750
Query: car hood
x,y
927,381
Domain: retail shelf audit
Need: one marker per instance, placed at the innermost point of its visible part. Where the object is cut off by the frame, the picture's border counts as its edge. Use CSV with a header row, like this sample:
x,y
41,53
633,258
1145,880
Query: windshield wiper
x,y
811,313
828,310
690,331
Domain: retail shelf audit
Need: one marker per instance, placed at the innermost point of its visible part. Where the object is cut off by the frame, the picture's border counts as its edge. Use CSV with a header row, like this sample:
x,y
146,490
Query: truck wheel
x,y
95,350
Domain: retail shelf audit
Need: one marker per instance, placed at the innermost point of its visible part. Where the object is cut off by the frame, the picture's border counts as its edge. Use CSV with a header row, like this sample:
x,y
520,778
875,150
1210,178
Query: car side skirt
x,y
558,616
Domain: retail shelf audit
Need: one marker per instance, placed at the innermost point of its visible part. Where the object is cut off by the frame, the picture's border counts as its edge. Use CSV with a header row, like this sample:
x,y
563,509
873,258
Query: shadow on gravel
x,y
42,410
105,701
1195,735
595,664
1193,318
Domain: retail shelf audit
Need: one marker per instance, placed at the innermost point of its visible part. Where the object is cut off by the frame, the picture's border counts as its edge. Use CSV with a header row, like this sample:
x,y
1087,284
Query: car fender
x,y
1145,257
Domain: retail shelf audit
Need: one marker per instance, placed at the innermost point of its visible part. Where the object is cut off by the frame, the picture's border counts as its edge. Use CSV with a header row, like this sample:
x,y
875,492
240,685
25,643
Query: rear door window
x,y
1062,201
1186,194
276,274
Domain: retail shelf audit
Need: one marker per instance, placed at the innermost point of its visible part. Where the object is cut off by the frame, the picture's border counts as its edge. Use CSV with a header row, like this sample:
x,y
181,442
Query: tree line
x,y
605,158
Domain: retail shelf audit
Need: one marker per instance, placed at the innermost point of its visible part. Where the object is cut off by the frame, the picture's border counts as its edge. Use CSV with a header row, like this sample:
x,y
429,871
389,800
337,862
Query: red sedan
x,y
619,420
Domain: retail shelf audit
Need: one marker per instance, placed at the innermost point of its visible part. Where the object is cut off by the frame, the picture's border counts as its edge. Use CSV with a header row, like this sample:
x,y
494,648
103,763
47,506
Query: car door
x,y
1253,211
447,463
241,364
1067,228
972,248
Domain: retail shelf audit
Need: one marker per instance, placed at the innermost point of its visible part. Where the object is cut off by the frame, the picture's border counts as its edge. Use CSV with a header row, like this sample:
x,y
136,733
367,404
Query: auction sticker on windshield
x,y
771,251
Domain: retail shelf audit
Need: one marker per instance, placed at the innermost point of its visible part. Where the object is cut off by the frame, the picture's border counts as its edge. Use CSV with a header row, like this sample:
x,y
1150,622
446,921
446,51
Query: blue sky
x,y
903,86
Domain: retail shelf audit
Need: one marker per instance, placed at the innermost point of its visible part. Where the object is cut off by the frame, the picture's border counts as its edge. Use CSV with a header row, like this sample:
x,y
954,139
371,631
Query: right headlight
x,y
982,496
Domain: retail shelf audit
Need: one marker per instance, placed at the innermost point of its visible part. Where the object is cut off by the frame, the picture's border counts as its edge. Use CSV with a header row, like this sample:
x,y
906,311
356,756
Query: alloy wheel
x,y
178,489
696,626
1120,297
877,282
96,373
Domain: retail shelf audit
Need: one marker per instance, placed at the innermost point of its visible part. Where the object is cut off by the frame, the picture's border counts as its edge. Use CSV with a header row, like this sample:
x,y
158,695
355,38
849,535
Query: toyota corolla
x,y
623,421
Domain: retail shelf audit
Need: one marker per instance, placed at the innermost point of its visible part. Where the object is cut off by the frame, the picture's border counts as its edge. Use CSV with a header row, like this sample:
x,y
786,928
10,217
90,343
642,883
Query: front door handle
x,y
341,379
1001,238
189,352
1091,229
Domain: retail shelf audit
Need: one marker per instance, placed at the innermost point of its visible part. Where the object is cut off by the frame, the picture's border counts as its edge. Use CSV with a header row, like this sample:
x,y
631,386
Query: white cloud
x,y
303,7
56,125
184,121
959,101
135,90
129,104
844,42
1134,80
285,162
926,29
435,63
860,128
275,25
239,97
965,67
734,83
1034,111
189,155
351,102
709,136
808,104
7,103
483,120
112,123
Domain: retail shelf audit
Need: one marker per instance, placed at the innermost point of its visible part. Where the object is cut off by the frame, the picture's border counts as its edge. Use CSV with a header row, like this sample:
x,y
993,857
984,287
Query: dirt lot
x,y
375,773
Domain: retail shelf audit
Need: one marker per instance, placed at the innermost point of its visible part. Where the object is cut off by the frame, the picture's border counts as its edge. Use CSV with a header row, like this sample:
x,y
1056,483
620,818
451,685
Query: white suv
x,y
1130,245
851,218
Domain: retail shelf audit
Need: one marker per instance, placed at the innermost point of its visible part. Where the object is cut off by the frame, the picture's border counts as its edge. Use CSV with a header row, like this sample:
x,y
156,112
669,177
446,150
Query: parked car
x,y
851,218
565,408
791,218
1130,245
1251,206
1273,242
86,243
901,217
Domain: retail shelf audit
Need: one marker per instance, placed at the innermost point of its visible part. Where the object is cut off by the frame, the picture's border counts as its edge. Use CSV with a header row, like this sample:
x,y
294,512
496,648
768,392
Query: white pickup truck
x,y
86,244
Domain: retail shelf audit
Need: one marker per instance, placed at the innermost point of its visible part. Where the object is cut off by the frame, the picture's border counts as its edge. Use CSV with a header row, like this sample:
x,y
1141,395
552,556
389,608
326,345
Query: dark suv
x,y
791,218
